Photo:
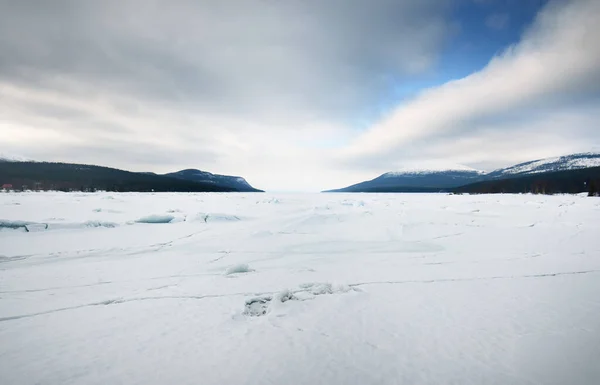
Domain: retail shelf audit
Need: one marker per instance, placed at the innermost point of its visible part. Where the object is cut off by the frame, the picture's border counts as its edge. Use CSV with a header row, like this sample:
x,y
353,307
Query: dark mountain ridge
x,y
422,181
555,182
560,163
236,182
80,177
539,176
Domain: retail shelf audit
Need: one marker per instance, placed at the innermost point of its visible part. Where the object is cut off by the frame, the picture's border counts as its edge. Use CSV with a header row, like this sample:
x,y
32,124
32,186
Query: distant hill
x,y
561,163
235,182
452,178
415,179
569,181
79,177
13,158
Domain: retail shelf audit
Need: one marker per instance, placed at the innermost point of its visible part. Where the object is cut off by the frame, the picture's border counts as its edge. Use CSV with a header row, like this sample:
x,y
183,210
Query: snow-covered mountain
x,y
429,167
235,182
434,177
13,158
419,177
560,163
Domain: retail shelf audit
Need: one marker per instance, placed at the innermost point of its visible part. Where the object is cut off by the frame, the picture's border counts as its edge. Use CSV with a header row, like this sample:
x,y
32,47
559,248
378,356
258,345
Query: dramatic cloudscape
x,y
298,95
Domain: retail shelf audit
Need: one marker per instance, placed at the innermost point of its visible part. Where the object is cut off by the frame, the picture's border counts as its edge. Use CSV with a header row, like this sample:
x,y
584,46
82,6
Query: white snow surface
x,y
428,167
343,289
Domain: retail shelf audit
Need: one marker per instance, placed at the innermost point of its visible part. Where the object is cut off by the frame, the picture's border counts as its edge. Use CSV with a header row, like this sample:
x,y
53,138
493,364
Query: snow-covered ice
x,y
299,289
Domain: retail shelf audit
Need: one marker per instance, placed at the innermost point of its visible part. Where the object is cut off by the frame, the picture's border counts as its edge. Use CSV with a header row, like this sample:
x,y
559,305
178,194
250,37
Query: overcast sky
x,y
298,95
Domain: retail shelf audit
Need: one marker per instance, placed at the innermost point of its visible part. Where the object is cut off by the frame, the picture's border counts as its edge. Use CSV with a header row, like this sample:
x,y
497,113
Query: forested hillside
x,y
78,177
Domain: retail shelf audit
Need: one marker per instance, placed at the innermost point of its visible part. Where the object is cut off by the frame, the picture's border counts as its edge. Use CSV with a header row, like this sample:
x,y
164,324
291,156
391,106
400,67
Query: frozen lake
x,y
299,289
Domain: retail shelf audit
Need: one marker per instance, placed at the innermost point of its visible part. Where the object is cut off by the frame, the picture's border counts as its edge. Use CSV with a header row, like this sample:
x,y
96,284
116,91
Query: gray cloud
x,y
271,89
243,87
276,59
554,71
140,157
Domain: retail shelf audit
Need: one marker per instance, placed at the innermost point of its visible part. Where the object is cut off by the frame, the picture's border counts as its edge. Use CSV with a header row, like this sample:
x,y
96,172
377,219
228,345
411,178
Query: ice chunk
x,y
33,227
7,224
22,225
156,219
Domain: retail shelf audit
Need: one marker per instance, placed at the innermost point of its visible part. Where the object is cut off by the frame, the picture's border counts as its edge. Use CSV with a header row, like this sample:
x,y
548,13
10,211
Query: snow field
x,y
299,289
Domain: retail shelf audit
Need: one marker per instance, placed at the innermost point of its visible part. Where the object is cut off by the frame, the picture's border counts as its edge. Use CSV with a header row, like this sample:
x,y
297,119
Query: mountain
x,y
234,182
427,178
13,158
561,163
565,181
418,178
80,177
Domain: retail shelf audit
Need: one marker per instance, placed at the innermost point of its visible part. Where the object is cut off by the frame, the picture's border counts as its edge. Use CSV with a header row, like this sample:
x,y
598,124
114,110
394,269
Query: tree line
x,y
558,182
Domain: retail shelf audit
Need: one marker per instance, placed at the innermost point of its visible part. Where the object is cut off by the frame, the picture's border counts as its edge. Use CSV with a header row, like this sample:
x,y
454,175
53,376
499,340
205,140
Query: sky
x,y
298,95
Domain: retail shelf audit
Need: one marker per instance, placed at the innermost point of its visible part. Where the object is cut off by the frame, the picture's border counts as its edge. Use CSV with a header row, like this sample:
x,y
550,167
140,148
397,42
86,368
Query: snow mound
x,y
318,288
257,306
325,288
237,269
285,295
260,306
156,219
